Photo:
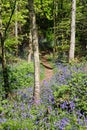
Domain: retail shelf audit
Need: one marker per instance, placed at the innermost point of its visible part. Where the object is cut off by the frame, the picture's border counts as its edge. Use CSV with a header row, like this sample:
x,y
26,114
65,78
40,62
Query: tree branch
x,y
9,21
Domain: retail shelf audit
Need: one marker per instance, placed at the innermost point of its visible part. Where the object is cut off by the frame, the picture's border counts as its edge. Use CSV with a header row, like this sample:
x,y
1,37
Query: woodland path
x,y
48,69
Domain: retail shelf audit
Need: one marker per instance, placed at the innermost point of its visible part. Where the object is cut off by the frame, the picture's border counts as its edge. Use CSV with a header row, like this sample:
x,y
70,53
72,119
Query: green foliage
x,y
11,44
78,89
44,8
18,124
21,16
63,107
45,12
50,38
42,74
62,90
21,75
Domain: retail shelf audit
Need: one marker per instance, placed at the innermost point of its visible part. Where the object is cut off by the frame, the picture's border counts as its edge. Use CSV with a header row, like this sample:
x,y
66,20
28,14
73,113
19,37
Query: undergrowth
x,y
63,103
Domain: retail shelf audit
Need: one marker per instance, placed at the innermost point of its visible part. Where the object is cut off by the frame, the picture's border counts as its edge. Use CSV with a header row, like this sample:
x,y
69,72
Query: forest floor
x,y
47,68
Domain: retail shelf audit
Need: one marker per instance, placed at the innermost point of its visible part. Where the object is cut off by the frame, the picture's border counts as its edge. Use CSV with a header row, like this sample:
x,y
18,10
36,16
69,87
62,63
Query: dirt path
x,y
48,69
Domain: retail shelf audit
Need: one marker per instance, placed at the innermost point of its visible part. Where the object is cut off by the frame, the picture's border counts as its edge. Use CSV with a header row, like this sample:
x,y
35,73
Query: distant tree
x,y
36,91
72,42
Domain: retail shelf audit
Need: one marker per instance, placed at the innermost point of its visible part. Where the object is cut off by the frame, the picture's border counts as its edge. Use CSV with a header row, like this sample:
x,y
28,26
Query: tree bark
x,y
72,42
36,92
55,14
4,65
30,47
5,70
3,38
16,31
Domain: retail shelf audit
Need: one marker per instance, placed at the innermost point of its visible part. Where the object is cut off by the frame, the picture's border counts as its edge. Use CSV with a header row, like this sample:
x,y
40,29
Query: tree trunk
x,y
72,42
4,65
3,38
36,92
30,47
5,70
30,37
55,14
16,31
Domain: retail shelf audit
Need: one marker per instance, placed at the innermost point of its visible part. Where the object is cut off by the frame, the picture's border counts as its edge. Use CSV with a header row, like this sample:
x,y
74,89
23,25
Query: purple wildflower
x,y
3,120
85,121
72,105
22,107
80,122
63,105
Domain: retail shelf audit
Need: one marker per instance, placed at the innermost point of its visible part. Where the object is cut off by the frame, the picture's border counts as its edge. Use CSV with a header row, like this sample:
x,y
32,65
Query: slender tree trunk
x,y
4,65
36,91
30,47
16,31
72,42
55,14
3,38
30,36
36,63
5,70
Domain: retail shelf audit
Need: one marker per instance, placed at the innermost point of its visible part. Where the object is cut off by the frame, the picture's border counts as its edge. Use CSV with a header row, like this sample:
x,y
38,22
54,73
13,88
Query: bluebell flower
x,y
80,122
79,113
29,106
22,107
3,120
52,99
85,121
63,105
64,121
26,128
72,105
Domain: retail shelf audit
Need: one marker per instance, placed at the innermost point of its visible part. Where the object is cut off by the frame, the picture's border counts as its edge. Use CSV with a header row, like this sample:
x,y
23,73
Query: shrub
x,y
78,91
21,75
73,89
